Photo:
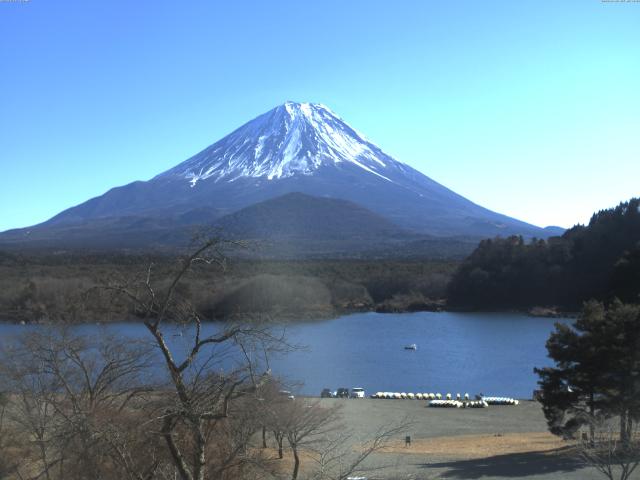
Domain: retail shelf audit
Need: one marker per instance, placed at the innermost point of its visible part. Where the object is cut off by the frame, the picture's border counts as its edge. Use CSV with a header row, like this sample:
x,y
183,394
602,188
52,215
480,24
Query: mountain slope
x,y
292,226
296,147
297,225
296,215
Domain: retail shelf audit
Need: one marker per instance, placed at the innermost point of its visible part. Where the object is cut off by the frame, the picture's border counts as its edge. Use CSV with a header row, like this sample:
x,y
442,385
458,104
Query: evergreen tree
x,y
619,338
597,370
599,261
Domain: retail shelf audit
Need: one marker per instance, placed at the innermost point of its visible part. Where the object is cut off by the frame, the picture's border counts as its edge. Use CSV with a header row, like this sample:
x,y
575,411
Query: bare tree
x,y
69,393
33,412
276,418
339,456
614,457
207,374
86,409
274,408
306,424
8,462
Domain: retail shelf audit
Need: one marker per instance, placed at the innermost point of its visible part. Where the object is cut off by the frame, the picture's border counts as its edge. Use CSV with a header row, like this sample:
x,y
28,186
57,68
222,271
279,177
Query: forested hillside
x,y
600,260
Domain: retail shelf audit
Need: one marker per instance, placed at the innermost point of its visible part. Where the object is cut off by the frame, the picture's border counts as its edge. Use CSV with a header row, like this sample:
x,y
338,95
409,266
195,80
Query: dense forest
x,y
597,261
69,287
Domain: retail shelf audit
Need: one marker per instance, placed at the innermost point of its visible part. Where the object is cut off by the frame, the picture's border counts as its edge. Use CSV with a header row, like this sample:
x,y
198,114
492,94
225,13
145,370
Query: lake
x,y
492,353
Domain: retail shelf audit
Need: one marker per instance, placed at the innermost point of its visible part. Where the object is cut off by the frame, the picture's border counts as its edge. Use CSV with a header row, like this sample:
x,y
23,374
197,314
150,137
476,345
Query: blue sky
x,y
530,108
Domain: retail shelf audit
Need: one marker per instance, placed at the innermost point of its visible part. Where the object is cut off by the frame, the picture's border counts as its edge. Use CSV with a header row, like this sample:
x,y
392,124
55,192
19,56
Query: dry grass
x,y
481,446
285,465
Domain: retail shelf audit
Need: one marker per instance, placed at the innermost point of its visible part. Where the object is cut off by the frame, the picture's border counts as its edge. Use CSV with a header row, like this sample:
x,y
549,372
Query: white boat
x,y
413,346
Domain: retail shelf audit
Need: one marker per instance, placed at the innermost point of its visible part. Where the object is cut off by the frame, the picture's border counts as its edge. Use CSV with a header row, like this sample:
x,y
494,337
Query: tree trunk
x,y
296,463
264,437
624,434
176,455
592,427
201,443
280,453
43,457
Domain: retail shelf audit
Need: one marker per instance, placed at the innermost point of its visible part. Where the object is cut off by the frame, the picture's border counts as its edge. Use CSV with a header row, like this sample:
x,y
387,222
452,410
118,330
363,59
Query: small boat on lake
x,y
413,346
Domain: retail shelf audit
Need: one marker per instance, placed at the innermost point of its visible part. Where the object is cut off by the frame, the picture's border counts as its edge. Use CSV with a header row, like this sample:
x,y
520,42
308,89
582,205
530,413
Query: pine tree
x,y
597,370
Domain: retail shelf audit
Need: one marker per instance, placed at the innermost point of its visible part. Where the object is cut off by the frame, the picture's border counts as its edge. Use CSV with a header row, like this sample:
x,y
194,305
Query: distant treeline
x,y
74,287
597,261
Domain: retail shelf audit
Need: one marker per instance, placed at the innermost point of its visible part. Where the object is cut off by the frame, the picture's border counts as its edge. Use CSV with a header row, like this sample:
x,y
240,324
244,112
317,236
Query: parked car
x,y
326,393
287,393
342,393
357,392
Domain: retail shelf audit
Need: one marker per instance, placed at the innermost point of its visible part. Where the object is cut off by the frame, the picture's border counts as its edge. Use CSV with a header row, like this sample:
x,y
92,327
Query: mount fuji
x,y
295,147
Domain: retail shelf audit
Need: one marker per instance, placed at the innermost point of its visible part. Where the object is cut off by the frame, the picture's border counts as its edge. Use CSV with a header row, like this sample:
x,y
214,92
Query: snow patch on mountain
x,y
292,139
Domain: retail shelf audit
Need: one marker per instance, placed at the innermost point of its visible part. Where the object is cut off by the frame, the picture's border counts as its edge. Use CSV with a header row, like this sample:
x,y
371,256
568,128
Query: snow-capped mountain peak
x,y
291,139
295,148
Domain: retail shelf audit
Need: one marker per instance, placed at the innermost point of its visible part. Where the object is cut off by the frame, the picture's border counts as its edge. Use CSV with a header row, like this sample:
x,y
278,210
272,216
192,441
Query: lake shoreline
x,y
437,306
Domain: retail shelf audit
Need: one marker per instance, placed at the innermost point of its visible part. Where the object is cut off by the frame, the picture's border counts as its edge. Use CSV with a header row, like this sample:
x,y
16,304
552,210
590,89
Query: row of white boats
x,y
437,399
458,404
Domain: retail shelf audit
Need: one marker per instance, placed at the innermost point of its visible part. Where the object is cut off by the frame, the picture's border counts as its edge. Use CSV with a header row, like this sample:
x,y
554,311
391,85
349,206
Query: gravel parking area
x,y
498,442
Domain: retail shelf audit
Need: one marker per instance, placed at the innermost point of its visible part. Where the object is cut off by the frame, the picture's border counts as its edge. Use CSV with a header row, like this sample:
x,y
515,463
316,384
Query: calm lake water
x,y
492,353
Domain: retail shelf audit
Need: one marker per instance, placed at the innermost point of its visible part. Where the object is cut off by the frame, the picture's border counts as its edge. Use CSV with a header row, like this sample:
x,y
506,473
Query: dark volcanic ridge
x,y
294,225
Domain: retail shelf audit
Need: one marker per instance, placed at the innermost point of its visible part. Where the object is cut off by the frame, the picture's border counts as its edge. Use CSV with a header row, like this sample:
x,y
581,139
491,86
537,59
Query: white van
x,y
357,392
